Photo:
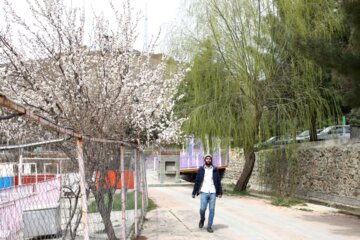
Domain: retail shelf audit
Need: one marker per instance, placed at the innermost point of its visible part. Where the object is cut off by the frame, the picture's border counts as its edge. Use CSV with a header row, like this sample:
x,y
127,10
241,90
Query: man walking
x,y
208,184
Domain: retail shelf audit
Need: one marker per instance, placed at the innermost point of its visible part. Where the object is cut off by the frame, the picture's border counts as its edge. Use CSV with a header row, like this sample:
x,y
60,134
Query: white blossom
x,y
94,83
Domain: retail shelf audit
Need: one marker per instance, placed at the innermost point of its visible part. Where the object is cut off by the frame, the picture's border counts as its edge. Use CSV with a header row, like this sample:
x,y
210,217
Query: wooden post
x,y
80,155
123,192
136,191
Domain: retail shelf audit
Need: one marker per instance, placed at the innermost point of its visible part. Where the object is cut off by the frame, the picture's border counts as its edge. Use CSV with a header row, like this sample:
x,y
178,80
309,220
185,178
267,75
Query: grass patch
x,y
130,203
151,205
229,191
116,205
287,202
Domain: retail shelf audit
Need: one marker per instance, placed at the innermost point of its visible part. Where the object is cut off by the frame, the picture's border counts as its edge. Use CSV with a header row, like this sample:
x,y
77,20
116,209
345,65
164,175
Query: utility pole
x,y
146,36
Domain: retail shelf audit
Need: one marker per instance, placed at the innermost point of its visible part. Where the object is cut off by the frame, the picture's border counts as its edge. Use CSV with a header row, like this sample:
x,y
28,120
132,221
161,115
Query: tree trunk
x,y
312,131
105,215
247,170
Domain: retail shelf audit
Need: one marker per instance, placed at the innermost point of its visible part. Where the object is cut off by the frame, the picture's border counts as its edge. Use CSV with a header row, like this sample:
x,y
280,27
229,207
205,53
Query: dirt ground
x,y
237,218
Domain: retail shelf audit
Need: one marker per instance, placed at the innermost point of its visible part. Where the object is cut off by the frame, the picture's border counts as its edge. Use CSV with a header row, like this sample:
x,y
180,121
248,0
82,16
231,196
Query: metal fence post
x,y
220,160
145,182
154,163
123,192
80,155
136,191
20,167
142,186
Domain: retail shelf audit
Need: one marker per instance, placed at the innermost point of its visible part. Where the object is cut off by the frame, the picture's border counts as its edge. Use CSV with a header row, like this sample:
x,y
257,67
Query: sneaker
x,y
209,229
201,223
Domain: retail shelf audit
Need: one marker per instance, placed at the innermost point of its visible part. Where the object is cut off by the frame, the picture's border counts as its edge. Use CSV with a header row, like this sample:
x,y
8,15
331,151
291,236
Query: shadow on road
x,y
220,226
341,224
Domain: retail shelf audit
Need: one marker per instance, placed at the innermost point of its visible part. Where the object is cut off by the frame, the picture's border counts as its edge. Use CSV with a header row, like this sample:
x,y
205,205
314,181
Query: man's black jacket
x,y
200,178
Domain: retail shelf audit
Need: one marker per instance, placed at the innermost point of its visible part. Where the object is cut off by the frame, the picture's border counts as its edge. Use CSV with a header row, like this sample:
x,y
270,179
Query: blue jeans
x,y
205,199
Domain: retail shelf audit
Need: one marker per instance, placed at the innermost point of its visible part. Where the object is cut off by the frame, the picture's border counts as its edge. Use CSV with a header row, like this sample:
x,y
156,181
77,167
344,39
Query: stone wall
x,y
234,167
328,171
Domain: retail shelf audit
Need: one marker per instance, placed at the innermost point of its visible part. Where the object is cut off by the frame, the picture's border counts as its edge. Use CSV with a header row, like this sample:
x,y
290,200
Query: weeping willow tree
x,y
338,50
247,81
202,88
305,24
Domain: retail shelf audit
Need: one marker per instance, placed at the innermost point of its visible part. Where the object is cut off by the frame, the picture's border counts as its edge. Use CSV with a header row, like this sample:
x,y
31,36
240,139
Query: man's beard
x,y
208,164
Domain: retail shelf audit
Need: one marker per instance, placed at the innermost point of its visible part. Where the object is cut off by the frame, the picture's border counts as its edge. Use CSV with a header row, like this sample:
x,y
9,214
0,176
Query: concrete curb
x,y
339,208
170,184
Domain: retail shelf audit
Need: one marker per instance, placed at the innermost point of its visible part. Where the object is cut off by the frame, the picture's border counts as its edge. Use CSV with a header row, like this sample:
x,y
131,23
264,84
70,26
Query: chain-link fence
x,y
75,187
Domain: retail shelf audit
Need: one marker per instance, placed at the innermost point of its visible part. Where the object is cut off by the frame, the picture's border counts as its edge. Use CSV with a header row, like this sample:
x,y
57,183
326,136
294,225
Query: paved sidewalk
x,y
242,218
153,180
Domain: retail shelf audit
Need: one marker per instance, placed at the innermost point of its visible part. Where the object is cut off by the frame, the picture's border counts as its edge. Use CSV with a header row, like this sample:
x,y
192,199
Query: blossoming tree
x,y
83,73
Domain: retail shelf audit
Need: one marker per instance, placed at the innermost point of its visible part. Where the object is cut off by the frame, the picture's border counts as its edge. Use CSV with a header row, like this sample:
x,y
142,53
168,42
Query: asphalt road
x,y
239,218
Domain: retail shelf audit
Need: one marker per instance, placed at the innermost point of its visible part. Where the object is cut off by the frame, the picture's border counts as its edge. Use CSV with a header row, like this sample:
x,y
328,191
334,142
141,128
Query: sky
x,y
161,14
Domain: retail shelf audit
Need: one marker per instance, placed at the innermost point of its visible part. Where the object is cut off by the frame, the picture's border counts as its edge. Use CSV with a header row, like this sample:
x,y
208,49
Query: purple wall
x,y
196,159
191,156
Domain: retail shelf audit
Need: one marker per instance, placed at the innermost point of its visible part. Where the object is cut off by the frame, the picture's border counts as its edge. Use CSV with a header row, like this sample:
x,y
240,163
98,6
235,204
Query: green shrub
x,y
116,206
